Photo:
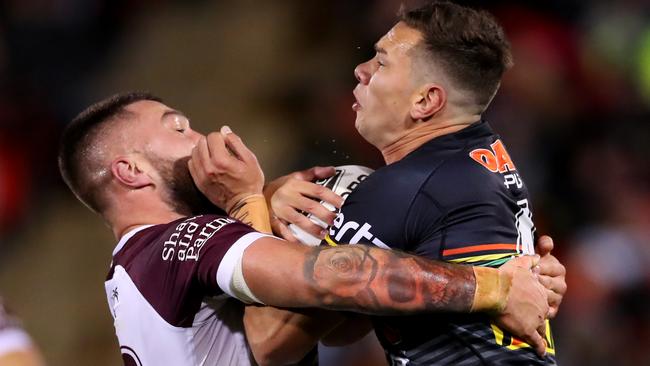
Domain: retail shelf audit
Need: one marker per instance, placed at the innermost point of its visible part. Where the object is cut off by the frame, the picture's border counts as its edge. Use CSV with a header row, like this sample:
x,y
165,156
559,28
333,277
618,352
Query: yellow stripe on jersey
x,y
329,241
478,258
517,344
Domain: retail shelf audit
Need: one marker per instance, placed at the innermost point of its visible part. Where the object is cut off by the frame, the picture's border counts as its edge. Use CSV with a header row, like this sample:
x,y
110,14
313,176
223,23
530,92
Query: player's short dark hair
x,y
79,137
468,44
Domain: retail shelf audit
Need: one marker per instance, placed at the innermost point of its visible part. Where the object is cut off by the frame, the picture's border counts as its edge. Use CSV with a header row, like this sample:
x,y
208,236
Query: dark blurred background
x,y
573,111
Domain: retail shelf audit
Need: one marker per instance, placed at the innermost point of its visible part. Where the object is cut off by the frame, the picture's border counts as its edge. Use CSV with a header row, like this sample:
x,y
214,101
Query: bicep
x,y
273,270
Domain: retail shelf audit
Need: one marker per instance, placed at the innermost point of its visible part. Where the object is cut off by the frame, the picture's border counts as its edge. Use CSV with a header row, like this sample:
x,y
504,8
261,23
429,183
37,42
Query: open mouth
x,y
356,105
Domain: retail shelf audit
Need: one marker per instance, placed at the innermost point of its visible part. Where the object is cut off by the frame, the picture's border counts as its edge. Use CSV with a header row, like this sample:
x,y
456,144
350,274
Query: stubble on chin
x,y
182,193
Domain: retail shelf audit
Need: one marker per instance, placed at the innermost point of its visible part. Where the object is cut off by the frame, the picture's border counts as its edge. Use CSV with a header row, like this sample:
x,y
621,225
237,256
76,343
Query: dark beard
x,y
182,194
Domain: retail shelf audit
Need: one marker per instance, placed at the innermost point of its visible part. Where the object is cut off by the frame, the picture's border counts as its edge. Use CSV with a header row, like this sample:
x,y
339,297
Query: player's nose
x,y
362,73
195,136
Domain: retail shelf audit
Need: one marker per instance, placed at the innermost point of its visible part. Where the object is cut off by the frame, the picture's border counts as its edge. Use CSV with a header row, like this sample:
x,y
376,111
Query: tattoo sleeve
x,y
372,280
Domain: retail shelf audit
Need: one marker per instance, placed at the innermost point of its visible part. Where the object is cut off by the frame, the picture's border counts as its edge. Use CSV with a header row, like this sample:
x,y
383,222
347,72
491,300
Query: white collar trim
x,y
128,236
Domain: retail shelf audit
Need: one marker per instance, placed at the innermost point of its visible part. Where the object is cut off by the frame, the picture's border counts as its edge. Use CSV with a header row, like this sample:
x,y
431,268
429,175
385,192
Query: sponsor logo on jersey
x,y
497,160
357,231
188,238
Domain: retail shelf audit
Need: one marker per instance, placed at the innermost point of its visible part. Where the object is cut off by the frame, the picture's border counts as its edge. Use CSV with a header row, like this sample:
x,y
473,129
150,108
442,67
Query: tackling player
x,y
126,159
450,191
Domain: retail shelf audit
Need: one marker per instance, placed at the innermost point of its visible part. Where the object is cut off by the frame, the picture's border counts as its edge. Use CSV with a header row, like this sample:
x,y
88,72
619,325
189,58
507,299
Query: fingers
x,y
198,164
281,229
315,208
554,301
323,194
537,342
295,217
236,145
546,281
296,189
551,266
322,172
201,156
524,261
217,151
555,290
317,172
544,245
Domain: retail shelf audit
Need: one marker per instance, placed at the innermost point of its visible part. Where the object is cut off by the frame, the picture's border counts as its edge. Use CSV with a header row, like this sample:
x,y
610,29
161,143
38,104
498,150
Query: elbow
x,y
263,354
270,356
265,358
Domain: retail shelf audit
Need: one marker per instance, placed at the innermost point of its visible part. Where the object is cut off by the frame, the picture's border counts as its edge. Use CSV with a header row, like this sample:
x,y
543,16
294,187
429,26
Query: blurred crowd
x,y
573,111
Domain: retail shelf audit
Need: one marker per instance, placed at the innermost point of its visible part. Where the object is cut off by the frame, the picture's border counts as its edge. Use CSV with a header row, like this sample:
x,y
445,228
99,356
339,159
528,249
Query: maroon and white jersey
x,y
169,293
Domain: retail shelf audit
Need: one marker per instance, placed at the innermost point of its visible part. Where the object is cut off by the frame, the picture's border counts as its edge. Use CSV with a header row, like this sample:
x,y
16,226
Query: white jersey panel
x,y
215,338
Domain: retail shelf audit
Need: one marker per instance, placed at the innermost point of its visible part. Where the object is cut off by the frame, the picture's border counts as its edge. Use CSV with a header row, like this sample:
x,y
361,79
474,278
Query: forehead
x,y
141,127
147,109
399,39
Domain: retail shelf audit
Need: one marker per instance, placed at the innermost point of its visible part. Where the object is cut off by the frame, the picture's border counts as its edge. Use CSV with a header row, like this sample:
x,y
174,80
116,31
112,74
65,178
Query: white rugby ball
x,y
344,181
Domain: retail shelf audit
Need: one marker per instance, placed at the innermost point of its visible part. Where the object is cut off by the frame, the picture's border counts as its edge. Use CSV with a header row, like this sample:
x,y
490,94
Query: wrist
x,y
239,199
492,290
252,210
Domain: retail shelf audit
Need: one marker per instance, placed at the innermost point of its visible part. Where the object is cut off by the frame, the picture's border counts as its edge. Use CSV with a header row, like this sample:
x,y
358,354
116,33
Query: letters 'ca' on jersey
x,y
167,292
458,198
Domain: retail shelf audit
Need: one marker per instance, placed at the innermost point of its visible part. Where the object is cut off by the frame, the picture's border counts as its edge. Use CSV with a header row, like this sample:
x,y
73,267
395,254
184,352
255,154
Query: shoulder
x,y
184,238
399,181
173,266
476,173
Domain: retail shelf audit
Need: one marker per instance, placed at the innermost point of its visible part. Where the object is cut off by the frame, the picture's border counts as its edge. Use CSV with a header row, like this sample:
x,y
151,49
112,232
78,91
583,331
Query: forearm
x,y
368,279
359,278
280,337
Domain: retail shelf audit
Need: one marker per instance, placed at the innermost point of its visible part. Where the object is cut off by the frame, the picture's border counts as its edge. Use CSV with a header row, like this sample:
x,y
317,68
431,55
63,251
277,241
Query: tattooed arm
x,y
355,278
376,281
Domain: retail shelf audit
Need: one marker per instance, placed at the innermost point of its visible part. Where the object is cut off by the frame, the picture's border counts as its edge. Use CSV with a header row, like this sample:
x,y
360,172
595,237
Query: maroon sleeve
x,y
175,265
213,251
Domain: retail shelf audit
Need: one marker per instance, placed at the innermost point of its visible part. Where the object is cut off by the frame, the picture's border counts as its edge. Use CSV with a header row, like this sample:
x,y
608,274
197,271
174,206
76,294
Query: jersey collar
x,y
128,236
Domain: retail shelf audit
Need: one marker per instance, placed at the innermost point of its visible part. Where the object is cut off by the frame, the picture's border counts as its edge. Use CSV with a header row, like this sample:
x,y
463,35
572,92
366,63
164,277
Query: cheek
x,y
174,148
386,92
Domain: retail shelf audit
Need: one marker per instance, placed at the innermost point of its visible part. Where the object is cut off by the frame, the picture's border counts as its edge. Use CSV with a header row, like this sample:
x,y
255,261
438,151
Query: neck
x,y
422,133
124,220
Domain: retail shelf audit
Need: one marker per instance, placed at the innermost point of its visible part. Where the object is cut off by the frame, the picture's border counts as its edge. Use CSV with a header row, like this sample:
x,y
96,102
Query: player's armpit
x,y
281,337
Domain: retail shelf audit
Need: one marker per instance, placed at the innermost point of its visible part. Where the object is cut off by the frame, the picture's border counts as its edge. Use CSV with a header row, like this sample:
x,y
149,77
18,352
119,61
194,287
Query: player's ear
x,y
428,101
127,171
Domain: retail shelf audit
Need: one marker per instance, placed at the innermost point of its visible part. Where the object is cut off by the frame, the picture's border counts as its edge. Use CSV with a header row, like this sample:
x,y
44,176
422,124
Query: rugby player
x,y
126,158
450,190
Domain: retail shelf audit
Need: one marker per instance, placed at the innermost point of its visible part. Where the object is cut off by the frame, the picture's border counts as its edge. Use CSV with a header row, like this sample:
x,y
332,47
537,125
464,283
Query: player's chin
x,y
358,123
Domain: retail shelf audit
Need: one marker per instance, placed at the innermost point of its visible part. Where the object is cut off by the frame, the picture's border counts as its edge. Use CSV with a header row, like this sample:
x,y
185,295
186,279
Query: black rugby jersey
x,y
457,198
